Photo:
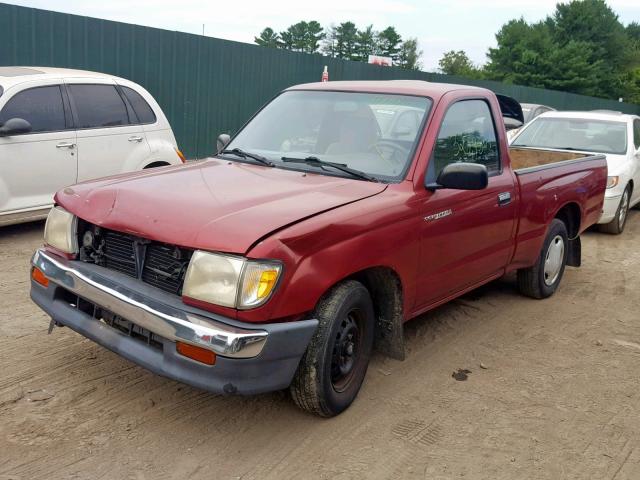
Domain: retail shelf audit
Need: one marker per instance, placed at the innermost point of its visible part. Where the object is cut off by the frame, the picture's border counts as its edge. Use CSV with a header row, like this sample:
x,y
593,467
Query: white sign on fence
x,y
378,60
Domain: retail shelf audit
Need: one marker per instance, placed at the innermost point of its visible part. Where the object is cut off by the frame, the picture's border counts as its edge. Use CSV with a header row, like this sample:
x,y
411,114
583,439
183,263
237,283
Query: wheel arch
x,y
387,293
158,163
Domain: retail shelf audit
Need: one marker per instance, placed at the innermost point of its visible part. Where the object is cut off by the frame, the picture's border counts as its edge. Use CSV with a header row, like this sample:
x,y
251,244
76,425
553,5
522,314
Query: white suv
x,y
615,134
59,127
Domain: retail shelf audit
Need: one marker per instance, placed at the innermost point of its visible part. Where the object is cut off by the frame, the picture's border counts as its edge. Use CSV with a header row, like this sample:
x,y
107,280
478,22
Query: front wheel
x,y
332,369
542,280
616,226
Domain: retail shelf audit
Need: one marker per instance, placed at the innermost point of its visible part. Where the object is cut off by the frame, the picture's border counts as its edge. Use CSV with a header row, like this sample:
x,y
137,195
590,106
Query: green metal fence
x,y
207,85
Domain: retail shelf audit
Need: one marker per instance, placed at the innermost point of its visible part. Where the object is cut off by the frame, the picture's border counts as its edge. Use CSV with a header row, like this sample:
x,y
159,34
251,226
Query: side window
x,y
467,134
40,106
636,133
140,106
98,106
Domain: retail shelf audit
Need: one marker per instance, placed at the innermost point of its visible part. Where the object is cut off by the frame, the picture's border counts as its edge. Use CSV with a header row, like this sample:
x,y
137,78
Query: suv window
x,y
636,133
140,106
40,106
98,106
467,134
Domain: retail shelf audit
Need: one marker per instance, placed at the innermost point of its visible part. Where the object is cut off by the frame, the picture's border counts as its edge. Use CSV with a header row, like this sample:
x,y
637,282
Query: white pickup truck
x,y
59,127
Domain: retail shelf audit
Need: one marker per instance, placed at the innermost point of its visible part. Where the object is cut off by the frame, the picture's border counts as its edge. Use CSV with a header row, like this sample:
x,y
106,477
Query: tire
x,y
542,280
332,369
616,226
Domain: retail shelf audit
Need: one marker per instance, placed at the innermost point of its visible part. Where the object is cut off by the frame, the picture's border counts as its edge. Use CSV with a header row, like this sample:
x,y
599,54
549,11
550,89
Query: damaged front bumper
x,y
250,358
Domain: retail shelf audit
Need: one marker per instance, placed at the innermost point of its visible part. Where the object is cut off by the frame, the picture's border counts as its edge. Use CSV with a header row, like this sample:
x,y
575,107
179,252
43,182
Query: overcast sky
x,y
439,25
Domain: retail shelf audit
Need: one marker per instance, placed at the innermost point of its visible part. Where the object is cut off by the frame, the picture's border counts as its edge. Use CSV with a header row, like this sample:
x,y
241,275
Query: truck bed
x,y
548,180
526,159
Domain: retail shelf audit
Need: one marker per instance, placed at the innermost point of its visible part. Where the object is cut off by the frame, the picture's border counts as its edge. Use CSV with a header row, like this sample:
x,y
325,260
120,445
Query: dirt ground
x,y
553,393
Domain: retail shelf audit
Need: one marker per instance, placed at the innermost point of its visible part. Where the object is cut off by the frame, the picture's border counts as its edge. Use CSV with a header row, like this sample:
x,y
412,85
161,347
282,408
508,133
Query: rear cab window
x,y
98,106
42,107
467,134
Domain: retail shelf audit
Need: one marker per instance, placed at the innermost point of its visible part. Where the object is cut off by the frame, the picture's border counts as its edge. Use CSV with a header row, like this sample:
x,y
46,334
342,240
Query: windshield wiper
x,y
316,162
243,154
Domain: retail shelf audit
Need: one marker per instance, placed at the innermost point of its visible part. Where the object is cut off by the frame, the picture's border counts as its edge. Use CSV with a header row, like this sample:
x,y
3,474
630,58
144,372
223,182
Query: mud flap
x,y
389,338
574,256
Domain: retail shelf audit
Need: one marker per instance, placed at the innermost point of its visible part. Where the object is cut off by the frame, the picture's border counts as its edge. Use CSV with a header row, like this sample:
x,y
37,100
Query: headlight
x,y
60,231
612,181
230,281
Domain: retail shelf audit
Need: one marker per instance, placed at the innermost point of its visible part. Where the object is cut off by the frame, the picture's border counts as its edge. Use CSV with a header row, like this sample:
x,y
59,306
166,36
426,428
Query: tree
x,y
268,38
409,54
295,37
314,35
389,42
596,25
456,63
346,41
633,32
286,39
522,54
581,48
328,46
366,43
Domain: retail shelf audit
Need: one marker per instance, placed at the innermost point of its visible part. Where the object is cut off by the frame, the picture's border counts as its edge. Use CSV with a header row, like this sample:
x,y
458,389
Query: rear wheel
x,y
616,226
332,369
542,280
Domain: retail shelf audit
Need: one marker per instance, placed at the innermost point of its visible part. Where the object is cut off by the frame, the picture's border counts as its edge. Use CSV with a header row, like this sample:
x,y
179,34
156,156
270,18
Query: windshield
x,y
598,136
372,133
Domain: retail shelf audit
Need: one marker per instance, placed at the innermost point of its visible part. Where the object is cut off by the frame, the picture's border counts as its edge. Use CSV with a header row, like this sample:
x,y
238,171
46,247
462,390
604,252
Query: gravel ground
x,y
552,393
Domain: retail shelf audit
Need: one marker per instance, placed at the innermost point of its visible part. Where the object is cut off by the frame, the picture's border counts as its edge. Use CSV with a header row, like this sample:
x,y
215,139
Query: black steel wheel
x,y
333,368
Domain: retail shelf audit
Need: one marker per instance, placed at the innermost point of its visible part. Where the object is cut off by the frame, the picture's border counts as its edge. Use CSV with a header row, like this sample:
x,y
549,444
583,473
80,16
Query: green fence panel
x,y
206,85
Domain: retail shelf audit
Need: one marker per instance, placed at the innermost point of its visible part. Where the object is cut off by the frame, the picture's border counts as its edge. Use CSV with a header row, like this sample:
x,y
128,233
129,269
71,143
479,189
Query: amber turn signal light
x,y
39,277
198,354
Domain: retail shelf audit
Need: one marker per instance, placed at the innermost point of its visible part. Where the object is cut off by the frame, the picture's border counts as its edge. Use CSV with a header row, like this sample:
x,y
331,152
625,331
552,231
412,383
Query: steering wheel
x,y
395,149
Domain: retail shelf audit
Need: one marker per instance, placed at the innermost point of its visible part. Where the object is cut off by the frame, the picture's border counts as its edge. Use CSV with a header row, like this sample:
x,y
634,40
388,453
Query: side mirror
x,y
223,141
15,126
462,176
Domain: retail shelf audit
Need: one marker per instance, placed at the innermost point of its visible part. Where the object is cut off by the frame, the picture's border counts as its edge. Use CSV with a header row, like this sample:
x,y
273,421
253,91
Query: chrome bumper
x,y
159,318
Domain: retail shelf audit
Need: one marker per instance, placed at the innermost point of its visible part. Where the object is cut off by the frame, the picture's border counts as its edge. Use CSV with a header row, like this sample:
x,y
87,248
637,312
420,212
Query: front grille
x,y
162,270
158,264
119,253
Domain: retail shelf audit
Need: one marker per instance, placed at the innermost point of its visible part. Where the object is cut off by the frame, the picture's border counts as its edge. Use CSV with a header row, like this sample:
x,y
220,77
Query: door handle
x,y
66,145
504,198
135,138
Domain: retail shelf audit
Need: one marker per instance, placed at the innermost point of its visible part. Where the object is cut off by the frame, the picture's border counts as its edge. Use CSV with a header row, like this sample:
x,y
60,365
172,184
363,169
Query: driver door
x,y
34,165
466,235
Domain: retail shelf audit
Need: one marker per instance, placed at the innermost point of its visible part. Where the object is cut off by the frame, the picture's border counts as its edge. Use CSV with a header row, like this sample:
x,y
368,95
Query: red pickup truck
x,y
337,213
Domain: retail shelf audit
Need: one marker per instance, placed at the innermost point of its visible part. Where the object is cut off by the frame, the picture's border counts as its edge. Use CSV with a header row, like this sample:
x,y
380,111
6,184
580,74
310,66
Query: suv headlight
x,y
61,230
230,281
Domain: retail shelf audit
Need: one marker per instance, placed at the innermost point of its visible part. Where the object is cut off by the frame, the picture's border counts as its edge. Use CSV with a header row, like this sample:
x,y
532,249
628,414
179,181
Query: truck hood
x,y
211,205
